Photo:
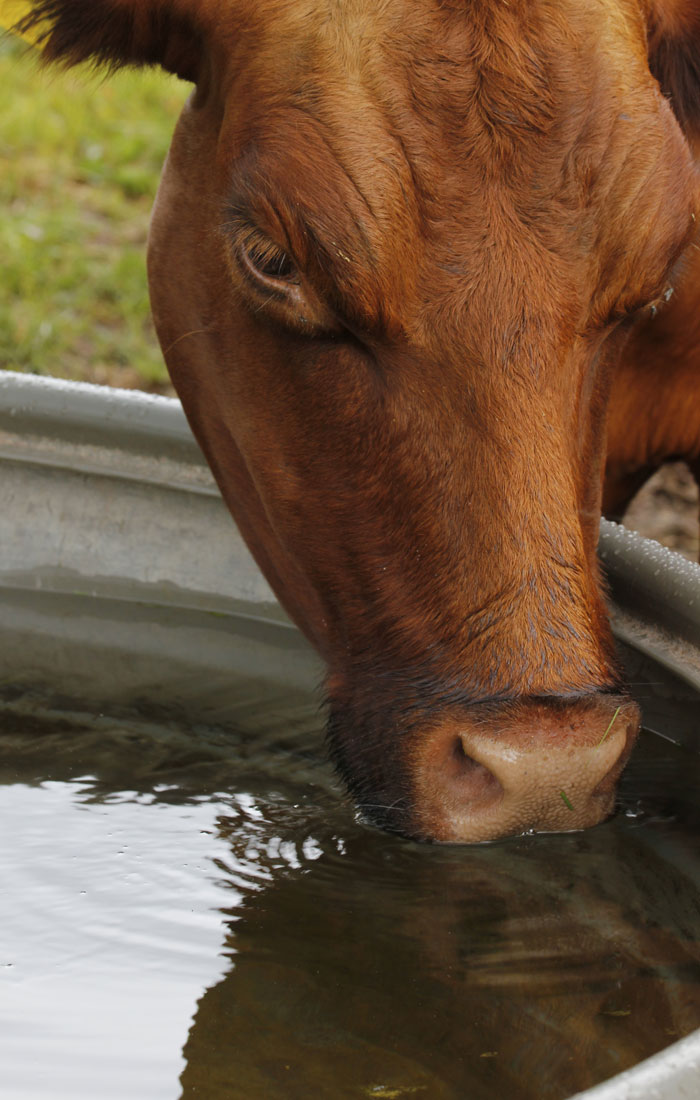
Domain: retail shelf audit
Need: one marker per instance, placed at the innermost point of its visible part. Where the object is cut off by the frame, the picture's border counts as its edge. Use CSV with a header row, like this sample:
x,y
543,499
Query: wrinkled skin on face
x,y
398,260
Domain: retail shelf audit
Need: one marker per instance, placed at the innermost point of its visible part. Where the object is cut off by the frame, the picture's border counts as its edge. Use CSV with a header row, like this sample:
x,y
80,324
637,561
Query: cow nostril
x,y
480,786
532,765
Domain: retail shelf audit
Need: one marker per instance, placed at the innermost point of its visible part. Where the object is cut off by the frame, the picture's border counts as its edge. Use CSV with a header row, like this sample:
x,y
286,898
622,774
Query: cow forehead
x,y
438,132
420,99
451,40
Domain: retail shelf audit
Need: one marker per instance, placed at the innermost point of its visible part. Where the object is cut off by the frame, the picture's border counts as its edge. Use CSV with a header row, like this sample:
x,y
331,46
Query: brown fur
x,y
481,200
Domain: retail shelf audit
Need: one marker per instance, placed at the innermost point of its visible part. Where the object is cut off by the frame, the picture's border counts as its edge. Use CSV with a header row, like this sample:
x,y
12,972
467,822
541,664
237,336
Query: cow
x,y
425,278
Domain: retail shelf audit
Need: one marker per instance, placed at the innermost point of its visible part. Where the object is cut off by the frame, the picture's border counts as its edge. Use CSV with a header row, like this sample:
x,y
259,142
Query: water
x,y
200,915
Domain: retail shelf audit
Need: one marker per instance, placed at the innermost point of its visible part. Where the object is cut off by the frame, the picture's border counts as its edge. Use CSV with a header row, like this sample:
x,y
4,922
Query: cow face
x,y
395,253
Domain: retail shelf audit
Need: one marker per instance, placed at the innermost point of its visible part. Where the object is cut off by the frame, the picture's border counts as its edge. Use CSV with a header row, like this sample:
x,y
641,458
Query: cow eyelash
x,y
265,260
274,281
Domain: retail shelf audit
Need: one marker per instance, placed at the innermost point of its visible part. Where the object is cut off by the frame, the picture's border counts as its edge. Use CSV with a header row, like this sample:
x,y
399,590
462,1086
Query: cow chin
x,y
492,770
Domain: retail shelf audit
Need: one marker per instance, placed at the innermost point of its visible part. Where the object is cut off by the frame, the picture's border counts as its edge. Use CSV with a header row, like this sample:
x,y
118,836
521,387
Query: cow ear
x,y
116,33
674,57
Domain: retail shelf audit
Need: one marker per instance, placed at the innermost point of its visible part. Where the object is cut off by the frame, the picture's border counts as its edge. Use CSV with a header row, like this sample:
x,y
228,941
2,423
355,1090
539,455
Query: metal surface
x,y
104,491
674,1074
121,568
655,603
122,574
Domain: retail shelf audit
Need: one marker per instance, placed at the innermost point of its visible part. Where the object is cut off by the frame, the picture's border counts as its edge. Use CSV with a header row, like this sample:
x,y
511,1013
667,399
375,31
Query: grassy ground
x,y
79,164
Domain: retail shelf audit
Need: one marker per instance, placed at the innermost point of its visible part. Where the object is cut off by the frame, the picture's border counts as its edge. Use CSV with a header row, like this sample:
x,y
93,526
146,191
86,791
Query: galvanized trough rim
x,y
672,1074
130,418
129,435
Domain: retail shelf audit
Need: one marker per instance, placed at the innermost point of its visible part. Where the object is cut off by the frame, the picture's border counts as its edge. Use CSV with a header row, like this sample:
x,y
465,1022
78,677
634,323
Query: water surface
x,y
203,916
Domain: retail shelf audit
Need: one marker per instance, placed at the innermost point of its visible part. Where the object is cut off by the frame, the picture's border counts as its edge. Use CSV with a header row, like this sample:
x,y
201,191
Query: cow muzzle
x,y
529,766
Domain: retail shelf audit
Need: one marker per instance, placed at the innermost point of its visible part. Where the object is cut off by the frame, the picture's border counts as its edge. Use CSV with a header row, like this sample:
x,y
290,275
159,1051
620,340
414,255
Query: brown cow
x,y
401,252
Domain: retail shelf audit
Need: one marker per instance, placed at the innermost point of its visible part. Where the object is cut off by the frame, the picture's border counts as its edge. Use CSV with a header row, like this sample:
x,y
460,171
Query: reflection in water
x,y
354,964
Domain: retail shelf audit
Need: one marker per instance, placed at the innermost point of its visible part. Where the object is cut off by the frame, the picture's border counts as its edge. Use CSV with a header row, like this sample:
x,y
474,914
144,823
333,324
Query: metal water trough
x,y
110,520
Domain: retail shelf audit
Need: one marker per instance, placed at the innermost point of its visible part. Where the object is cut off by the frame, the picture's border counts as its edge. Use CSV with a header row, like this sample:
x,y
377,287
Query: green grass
x,y
80,159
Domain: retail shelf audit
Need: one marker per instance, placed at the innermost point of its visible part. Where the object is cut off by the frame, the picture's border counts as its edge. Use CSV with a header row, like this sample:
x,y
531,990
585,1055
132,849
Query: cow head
x,y
395,253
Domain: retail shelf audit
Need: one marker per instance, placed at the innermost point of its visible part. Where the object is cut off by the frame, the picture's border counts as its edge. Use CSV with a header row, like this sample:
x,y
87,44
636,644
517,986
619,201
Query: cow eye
x,y
266,260
269,279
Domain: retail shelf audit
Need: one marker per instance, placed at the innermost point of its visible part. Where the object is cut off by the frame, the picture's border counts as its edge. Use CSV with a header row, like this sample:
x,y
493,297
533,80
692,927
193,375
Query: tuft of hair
x,y
114,34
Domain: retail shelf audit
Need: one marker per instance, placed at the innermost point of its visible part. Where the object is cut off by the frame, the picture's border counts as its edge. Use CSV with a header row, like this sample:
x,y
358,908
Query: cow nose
x,y
530,766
